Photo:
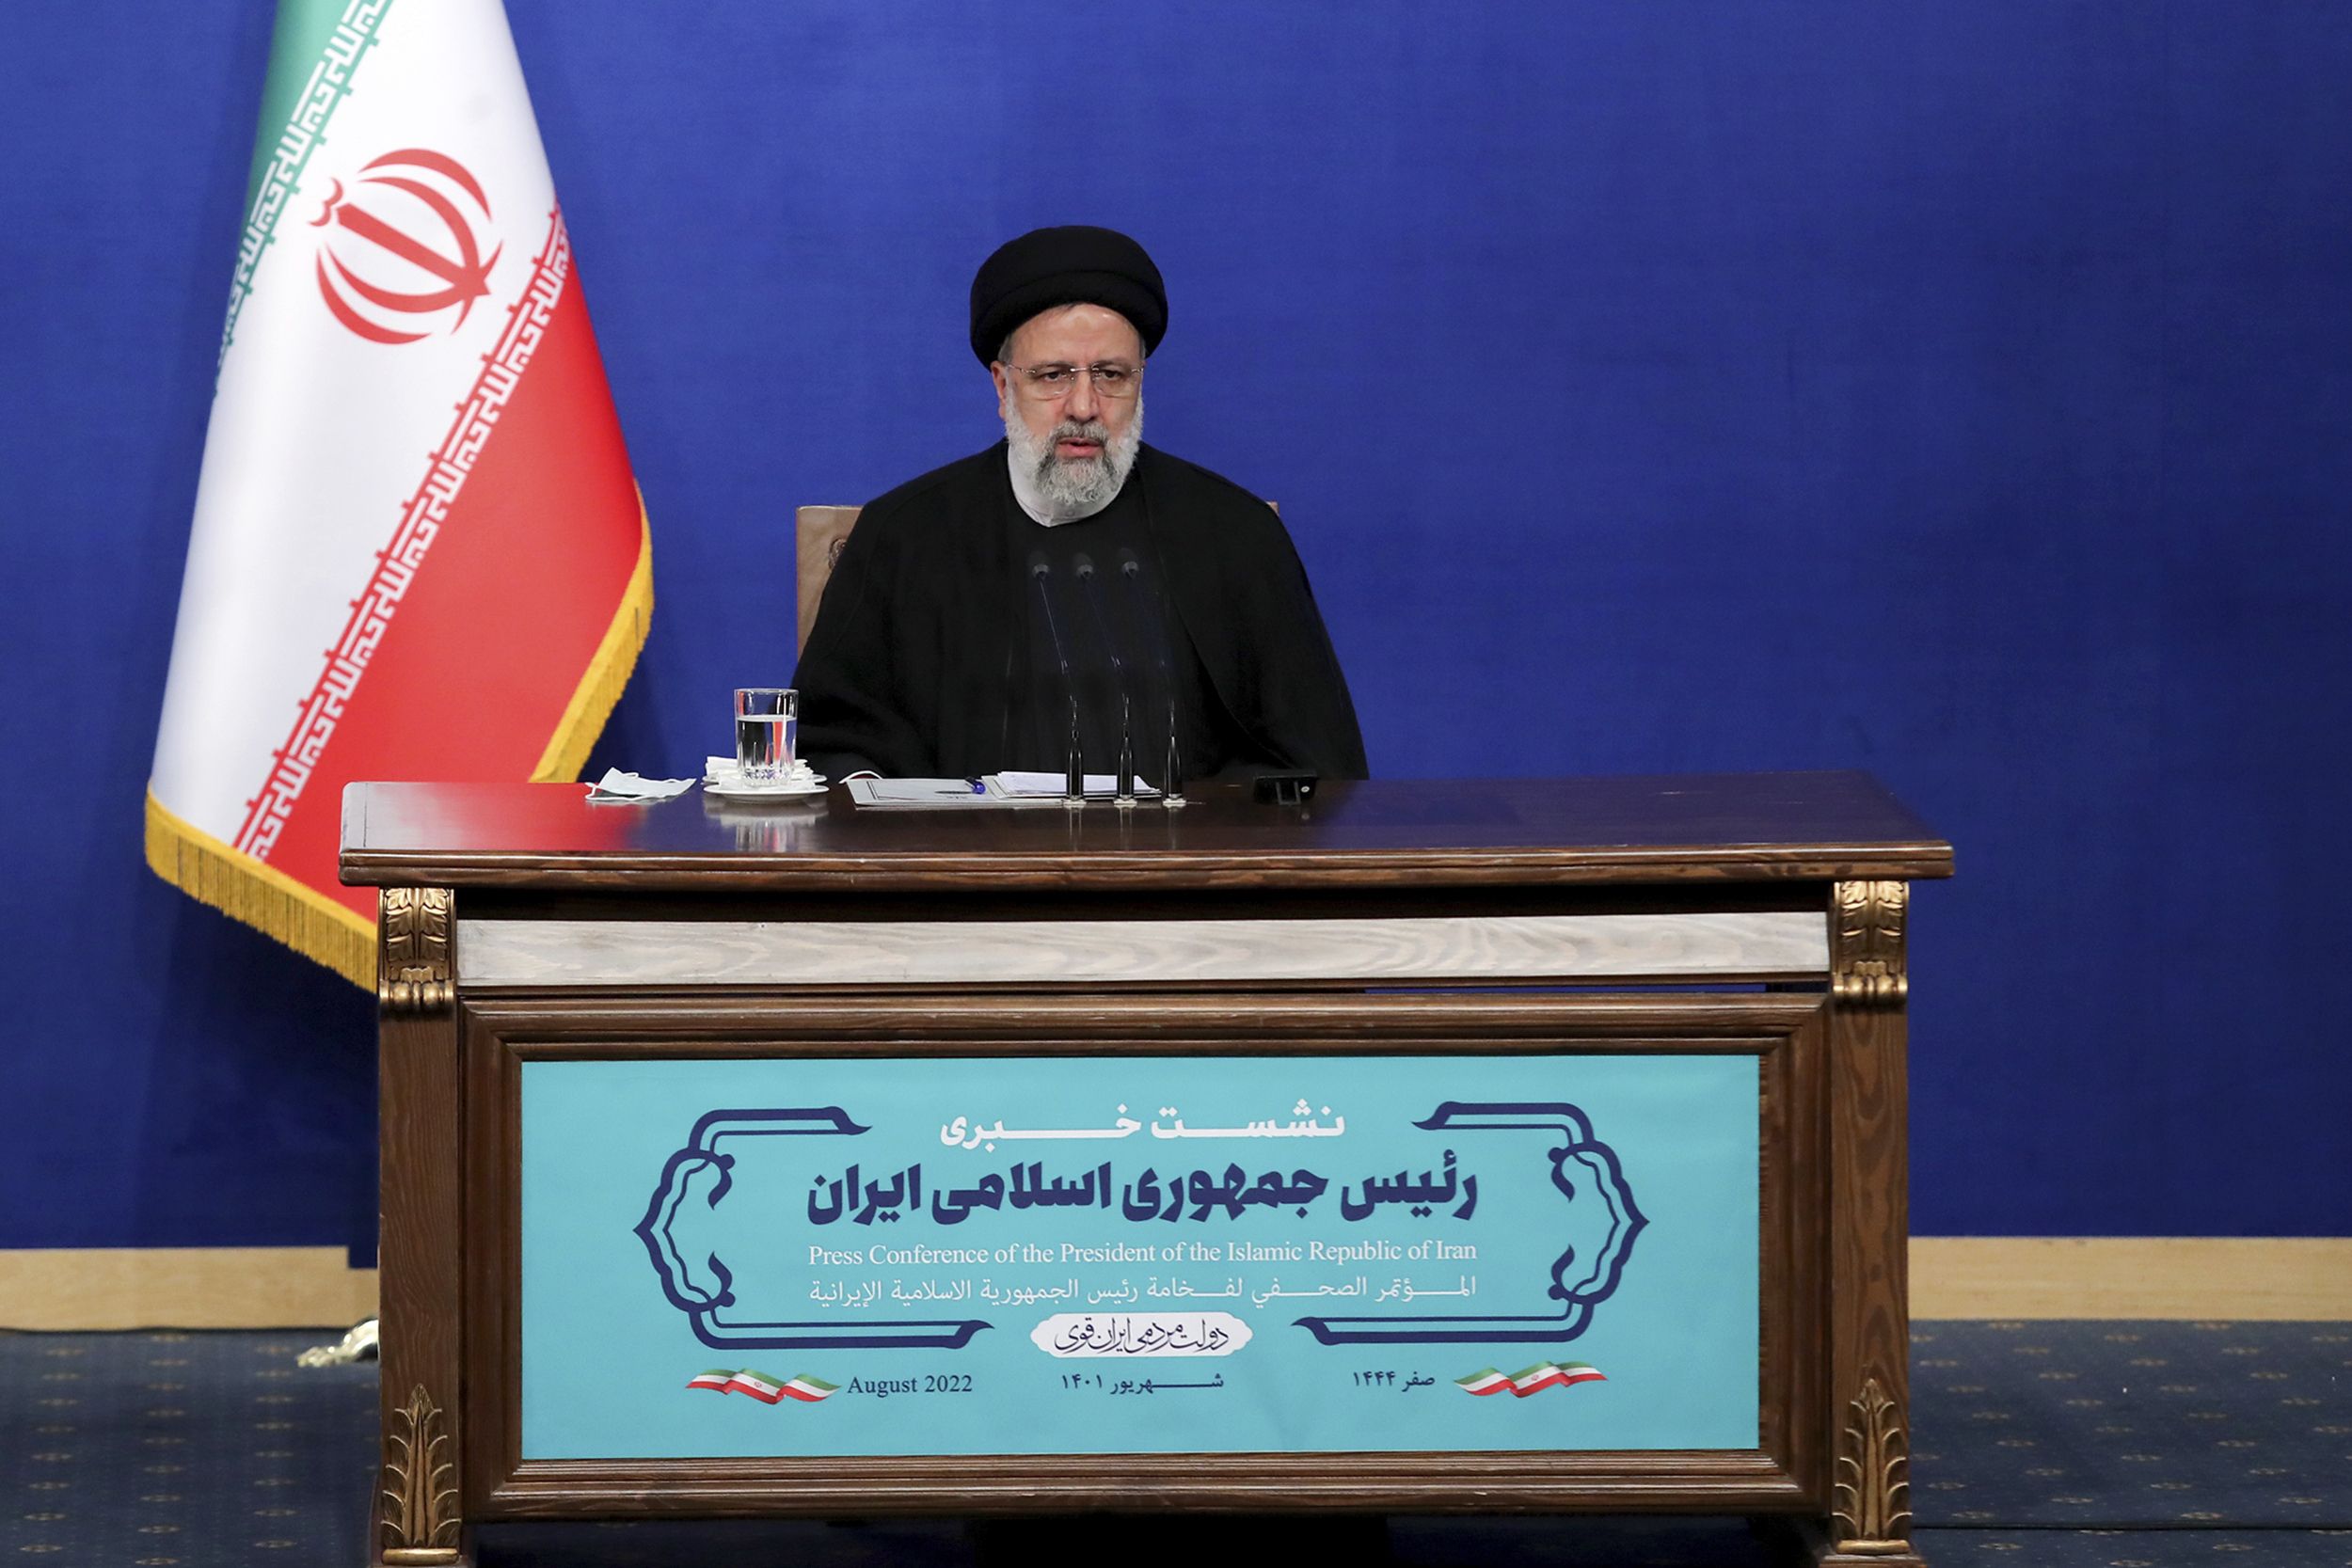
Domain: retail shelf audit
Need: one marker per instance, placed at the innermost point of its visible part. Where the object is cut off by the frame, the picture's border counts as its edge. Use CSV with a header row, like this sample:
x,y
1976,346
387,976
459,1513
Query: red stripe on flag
x,y
493,634
739,1386
1555,1379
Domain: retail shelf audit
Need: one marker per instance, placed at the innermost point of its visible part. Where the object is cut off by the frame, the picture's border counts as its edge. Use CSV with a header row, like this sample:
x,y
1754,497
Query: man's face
x,y
1081,421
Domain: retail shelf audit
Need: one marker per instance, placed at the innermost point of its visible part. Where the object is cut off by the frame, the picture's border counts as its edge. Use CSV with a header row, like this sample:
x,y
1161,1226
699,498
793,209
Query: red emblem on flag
x,y
412,251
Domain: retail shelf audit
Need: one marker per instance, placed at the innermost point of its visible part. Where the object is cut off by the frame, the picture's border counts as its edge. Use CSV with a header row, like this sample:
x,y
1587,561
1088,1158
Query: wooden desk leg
x,y
1869,1227
415,1520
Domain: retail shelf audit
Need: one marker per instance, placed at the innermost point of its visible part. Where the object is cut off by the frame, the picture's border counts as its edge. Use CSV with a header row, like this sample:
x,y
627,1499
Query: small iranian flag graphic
x,y
759,1385
1528,1380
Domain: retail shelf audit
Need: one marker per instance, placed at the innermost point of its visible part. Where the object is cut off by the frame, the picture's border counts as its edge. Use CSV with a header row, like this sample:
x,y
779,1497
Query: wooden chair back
x,y
818,532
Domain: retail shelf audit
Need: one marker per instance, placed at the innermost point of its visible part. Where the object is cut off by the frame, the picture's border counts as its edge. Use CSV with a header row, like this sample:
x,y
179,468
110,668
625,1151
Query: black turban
x,y
1076,265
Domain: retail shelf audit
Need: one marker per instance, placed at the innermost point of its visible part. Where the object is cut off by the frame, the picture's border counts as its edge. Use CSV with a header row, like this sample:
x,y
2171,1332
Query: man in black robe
x,y
1070,582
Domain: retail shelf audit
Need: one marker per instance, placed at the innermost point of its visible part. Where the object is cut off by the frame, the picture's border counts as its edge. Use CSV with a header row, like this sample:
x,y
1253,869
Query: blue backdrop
x,y
1958,390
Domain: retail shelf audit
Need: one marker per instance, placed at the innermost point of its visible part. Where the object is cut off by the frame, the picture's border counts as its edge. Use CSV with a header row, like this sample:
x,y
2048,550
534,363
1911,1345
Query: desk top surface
x,y
1763,827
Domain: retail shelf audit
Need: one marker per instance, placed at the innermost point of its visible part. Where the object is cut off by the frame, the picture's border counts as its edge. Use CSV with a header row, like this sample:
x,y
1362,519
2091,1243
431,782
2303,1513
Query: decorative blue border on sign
x,y
1593,1284
702,1299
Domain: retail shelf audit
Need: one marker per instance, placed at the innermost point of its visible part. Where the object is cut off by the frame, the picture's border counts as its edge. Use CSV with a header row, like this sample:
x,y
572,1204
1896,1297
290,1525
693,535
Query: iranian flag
x,y
418,552
766,1389
1528,1380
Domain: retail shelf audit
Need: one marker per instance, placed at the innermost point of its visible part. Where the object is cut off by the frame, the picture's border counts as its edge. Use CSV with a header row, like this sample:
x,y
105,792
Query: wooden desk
x,y
1576,923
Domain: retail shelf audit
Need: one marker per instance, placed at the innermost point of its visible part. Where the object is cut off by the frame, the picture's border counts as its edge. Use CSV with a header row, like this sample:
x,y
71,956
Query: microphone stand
x,y
1172,774
1073,775
1083,566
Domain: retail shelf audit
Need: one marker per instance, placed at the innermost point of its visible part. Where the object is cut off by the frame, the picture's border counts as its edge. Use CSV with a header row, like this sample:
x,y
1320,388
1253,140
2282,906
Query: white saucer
x,y
784,789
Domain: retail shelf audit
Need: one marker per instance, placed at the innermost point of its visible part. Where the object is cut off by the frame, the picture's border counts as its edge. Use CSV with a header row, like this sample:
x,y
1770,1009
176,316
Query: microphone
x,y
1153,631
1074,777
1082,566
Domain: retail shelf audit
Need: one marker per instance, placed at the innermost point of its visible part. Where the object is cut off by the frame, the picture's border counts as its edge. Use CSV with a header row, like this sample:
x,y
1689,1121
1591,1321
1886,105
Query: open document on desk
x,y
996,790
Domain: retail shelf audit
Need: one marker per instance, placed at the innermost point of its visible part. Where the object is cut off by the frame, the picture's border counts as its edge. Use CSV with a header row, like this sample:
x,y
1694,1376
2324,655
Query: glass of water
x,y
767,730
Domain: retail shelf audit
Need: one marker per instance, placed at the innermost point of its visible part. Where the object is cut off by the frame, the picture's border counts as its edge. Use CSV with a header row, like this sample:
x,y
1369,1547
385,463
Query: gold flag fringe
x,y
608,672
273,903
315,925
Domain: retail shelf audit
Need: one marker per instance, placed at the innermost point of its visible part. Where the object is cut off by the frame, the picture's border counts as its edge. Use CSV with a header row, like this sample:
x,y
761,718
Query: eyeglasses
x,y
1051,383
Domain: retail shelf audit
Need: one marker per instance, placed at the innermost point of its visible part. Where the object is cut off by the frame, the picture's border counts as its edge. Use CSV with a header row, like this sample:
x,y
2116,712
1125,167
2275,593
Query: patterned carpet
x,y
2074,1445
160,1449
2132,1426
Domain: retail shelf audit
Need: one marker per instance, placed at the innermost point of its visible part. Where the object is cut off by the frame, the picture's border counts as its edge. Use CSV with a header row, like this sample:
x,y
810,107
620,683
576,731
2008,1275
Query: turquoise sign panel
x,y
1139,1255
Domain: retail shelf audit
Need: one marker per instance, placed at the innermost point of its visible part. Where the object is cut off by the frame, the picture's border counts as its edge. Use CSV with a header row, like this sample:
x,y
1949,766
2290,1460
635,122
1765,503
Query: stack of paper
x,y
997,789
1021,785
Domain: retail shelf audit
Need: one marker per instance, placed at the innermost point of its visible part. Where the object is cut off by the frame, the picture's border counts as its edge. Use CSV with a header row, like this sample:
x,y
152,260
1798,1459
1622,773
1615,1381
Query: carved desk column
x,y
1869,1195
416,1516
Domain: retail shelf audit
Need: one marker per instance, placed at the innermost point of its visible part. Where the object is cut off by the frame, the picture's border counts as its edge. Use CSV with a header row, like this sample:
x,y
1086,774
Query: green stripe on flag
x,y
295,46
807,1382
314,52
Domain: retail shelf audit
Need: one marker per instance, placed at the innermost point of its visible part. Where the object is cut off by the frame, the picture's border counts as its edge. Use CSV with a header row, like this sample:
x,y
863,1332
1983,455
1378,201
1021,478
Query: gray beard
x,y
1071,488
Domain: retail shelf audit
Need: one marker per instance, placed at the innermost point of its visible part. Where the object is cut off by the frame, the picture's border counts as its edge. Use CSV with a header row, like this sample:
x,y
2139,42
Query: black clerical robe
x,y
1104,656
917,664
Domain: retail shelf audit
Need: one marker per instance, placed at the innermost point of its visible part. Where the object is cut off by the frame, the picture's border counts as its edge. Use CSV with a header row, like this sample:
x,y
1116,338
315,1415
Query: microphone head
x,y
1082,566
1039,565
1128,566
